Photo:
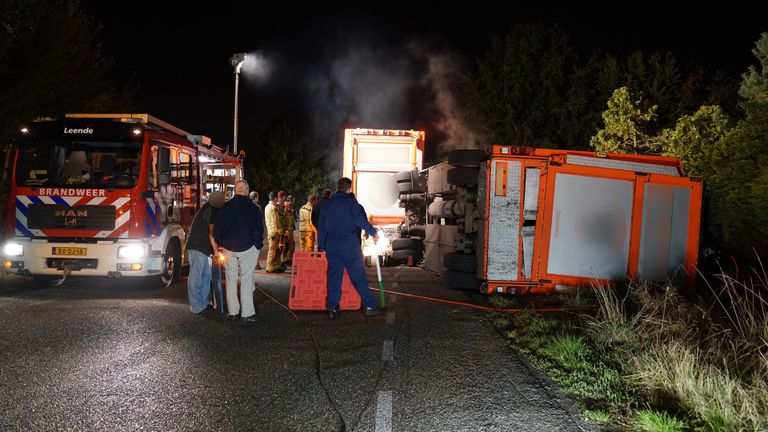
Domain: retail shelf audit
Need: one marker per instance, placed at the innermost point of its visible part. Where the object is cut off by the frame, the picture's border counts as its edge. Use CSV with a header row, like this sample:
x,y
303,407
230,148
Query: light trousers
x,y
242,264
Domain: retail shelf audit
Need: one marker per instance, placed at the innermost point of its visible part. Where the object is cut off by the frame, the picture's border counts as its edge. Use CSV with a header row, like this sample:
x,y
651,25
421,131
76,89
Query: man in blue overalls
x,y
338,228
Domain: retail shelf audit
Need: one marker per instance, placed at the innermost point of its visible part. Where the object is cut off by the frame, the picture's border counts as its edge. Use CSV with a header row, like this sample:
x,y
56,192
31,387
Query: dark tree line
x,y
51,63
531,88
290,155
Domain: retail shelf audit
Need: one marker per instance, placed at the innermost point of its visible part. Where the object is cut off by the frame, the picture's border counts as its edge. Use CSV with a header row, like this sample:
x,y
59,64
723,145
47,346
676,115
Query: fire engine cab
x,y
107,195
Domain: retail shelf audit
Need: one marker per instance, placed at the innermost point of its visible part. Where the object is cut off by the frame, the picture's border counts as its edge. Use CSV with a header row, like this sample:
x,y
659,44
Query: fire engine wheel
x,y
406,243
466,158
460,262
460,280
462,176
171,264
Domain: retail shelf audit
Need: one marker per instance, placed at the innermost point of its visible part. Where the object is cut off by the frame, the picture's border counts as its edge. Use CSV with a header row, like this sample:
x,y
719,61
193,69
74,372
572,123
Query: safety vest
x,y
305,218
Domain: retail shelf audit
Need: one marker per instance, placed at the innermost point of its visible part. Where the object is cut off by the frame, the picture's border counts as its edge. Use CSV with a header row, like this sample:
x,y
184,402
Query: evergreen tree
x,y
739,183
625,122
590,86
287,157
517,94
695,138
722,90
754,82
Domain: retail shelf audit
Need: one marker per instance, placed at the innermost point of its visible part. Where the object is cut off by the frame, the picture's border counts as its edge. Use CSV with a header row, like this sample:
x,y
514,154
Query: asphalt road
x,y
101,355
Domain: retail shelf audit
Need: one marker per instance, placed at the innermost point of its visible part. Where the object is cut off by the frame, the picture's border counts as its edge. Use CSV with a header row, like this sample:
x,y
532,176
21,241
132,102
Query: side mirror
x,y
164,160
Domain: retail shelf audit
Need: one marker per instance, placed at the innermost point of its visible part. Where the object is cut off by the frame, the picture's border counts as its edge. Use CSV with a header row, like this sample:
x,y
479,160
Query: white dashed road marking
x,y
390,317
389,351
384,412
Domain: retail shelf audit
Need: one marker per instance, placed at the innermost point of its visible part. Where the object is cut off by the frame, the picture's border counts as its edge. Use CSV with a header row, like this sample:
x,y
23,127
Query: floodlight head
x,y
237,60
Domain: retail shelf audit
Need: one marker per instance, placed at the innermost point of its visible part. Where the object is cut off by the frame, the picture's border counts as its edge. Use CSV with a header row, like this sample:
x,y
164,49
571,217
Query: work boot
x,y
334,313
371,312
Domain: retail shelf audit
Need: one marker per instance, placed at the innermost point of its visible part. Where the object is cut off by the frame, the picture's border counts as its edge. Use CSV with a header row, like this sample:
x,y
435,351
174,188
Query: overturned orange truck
x,y
521,220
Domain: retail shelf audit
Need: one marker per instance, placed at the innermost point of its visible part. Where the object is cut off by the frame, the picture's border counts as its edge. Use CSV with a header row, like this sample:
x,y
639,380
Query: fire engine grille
x,y
74,264
46,216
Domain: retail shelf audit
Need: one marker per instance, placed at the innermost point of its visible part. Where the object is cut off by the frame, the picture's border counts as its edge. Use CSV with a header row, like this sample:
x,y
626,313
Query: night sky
x,y
361,66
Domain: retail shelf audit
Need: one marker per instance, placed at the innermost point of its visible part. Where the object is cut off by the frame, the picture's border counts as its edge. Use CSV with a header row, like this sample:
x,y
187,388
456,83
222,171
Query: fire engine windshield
x,y
96,164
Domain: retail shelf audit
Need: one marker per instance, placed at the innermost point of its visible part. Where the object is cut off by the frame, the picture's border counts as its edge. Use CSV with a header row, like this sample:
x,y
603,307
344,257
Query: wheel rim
x,y
168,269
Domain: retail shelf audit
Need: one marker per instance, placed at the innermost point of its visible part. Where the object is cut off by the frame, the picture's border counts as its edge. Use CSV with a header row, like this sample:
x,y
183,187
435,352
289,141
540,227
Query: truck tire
x,y
406,243
461,281
466,158
463,176
171,264
460,262
413,231
402,255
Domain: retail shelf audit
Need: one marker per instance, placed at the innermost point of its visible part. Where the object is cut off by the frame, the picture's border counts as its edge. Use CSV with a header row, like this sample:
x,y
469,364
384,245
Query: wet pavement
x,y
106,355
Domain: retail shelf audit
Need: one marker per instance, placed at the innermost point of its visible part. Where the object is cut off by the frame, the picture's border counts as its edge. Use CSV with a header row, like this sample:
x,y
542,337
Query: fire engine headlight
x,y
13,249
131,252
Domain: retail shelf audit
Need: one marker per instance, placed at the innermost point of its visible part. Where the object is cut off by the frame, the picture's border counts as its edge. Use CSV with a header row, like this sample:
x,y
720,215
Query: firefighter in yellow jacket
x,y
289,223
306,230
275,232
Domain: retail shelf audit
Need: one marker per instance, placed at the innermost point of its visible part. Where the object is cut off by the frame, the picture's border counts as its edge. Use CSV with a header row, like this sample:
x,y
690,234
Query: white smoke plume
x,y
443,77
390,88
257,68
360,86
375,83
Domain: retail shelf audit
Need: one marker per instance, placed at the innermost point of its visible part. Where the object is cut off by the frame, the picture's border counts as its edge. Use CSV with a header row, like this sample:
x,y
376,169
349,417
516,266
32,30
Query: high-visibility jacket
x,y
305,218
274,220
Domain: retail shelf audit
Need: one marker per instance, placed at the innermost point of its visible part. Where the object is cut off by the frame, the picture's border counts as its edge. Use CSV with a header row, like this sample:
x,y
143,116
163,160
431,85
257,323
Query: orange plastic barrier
x,y
309,279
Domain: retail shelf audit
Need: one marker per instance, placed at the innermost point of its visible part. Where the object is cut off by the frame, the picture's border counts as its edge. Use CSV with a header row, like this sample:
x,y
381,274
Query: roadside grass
x,y
654,421
651,359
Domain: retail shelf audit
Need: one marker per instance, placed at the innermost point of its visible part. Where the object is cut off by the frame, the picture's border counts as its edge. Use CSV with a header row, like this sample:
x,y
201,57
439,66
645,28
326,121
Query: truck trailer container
x,y
524,220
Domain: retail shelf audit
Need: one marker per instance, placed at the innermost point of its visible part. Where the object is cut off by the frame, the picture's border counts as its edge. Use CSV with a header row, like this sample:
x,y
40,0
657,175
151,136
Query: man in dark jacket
x,y
239,233
339,222
200,246
316,208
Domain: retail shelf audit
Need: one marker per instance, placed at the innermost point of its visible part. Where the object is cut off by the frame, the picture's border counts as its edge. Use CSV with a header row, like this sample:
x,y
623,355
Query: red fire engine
x,y
107,195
